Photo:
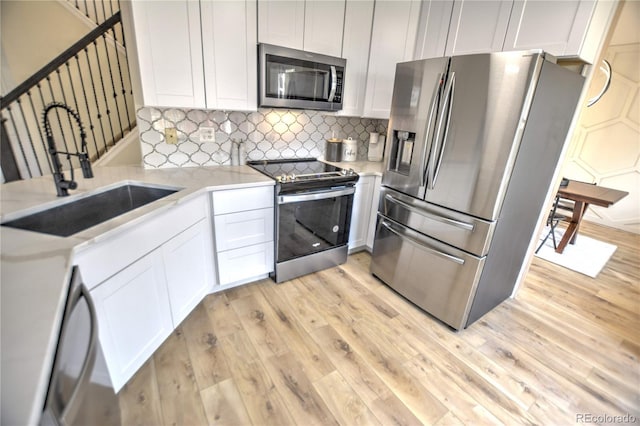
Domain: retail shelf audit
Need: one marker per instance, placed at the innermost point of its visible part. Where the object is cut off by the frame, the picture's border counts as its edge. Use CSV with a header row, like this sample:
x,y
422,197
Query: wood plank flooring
x,y
340,347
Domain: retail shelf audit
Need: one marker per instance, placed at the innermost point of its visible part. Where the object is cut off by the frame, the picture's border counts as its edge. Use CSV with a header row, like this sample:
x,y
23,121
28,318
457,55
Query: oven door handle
x,y
312,196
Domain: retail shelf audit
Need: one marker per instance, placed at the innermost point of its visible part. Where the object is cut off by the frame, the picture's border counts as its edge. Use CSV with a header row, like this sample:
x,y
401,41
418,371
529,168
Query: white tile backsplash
x,y
267,134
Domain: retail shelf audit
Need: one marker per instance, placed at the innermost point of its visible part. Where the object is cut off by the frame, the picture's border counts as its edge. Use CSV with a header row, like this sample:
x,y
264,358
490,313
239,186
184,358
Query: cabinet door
x,y
246,263
242,229
188,265
435,16
361,212
478,26
358,20
229,38
323,25
562,28
393,38
134,316
169,46
281,22
373,217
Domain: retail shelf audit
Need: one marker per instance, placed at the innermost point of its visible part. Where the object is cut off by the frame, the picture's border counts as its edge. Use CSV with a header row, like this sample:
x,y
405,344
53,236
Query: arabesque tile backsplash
x,y
267,134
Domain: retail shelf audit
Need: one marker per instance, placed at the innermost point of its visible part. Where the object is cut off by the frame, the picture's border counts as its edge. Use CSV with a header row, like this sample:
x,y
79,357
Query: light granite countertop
x,y
35,268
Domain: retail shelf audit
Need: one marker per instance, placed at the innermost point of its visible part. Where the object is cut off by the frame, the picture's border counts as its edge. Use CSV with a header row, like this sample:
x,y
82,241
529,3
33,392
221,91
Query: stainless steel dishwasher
x,y
80,390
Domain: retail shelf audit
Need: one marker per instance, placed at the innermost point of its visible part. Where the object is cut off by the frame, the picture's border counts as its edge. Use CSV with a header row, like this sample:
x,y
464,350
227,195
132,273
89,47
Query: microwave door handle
x,y
432,110
85,373
334,83
423,245
448,102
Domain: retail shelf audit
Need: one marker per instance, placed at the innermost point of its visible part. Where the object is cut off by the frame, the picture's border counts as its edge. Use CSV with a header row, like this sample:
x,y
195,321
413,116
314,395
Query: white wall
x,y
605,148
32,33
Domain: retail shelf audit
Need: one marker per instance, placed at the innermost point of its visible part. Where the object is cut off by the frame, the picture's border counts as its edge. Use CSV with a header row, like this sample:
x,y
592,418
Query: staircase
x,y
91,77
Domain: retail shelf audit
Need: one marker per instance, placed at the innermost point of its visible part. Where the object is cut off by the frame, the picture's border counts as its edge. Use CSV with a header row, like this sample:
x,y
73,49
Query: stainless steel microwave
x,y
291,78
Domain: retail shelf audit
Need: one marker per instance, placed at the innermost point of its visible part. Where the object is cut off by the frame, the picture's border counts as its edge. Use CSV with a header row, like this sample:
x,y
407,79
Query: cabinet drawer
x,y
238,200
114,254
243,229
244,263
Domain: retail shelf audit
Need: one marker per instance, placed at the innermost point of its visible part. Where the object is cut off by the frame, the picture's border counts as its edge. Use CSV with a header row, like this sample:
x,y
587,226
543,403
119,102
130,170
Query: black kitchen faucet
x,y
62,185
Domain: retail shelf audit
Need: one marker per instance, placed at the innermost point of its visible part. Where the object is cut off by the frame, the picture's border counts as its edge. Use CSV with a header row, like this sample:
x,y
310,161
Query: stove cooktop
x,y
299,171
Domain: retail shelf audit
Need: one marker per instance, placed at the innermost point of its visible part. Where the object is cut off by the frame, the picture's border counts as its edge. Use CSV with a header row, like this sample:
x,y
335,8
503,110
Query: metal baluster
x,y
93,86
64,100
104,93
53,98
15,129
37,120
124,92
86,9
86,101
95,10
73,92
33,148
113,85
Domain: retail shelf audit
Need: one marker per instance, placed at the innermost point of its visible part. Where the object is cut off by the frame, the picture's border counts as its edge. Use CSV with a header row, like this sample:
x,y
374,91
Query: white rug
x,y
587,256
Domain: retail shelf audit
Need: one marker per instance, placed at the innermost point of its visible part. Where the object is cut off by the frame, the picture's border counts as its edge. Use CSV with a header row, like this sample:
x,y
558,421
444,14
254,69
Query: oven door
x,y
312,222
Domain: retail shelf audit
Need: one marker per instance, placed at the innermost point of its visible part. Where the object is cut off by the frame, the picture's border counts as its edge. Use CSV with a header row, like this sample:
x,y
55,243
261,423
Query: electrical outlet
x,y
207,134
171,135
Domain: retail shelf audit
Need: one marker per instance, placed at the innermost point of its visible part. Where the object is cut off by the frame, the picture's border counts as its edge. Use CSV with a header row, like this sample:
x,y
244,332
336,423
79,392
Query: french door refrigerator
x,y
474,142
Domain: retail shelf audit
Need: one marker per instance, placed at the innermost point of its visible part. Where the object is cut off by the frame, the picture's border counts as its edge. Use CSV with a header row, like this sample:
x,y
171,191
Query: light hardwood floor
x,y
339,347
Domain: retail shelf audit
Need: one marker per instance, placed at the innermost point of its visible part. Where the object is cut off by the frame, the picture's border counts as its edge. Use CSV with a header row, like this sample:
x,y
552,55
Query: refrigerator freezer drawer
x,y
470,234
438,278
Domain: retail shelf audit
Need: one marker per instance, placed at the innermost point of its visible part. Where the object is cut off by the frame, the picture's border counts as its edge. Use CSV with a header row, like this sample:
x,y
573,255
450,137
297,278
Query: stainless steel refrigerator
x,y
473,142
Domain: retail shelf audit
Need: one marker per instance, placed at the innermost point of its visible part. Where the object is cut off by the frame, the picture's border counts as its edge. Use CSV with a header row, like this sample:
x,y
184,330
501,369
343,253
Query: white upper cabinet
x,y
323,25
393,39
169,48
433,28
358,20
281,22
477,26
311,25
229,38
573,28
194,54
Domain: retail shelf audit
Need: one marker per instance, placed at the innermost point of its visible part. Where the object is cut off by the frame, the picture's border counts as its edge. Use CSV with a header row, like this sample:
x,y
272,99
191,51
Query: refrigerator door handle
x,y
68,412
450,89
457,223
422,245
432,110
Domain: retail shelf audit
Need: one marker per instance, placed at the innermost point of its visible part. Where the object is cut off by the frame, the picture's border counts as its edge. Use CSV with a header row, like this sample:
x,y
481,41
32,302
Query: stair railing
x,y
92,76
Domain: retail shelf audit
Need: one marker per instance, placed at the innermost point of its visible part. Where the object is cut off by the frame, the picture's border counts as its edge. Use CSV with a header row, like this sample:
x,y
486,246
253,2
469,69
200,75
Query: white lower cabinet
x,y
189,269
364,212
134,316
244,232
245,263
373,216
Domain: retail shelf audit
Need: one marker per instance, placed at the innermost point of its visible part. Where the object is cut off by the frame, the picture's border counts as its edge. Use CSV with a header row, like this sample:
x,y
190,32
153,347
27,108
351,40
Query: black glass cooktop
x,y
299,167
304,173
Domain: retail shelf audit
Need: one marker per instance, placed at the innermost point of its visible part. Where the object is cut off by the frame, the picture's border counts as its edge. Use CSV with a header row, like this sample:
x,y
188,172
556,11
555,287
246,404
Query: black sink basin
x,y
70,218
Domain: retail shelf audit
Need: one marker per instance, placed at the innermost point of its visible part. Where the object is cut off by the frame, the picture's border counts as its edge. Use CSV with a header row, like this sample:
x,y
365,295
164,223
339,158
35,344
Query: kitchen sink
x,y
75,216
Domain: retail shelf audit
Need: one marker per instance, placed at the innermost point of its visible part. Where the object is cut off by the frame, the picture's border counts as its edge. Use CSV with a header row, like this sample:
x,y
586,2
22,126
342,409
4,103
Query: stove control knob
x,y
351,172
292,177
283,178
